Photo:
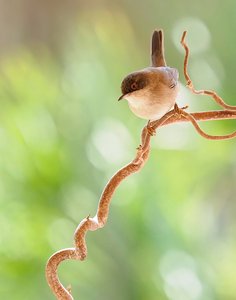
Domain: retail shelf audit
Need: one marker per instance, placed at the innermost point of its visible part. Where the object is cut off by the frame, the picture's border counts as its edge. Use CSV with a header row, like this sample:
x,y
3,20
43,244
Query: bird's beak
x,y
121,97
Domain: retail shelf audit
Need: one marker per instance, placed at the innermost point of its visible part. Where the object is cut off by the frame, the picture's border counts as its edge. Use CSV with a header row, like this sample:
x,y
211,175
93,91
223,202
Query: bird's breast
x,y
150,105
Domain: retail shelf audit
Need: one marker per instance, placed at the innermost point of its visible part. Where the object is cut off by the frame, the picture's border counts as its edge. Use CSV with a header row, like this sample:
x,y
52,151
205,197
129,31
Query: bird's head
x,y
135,81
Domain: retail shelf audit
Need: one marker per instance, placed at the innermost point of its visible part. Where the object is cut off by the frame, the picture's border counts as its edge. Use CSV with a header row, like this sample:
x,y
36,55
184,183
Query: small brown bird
x,y
152,92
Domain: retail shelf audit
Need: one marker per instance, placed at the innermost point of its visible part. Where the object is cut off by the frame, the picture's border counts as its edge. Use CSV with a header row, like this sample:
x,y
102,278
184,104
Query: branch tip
x,y
183,37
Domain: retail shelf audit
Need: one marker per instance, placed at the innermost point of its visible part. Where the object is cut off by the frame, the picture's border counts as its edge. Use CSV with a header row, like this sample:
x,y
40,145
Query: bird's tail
x,y
158,54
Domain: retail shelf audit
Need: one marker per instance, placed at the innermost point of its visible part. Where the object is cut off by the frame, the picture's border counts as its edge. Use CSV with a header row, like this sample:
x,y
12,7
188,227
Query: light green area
x,y
171,232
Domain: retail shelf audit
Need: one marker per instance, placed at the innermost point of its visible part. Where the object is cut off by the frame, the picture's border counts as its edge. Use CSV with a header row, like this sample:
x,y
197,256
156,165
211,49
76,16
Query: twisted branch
x,y
79,252
190,85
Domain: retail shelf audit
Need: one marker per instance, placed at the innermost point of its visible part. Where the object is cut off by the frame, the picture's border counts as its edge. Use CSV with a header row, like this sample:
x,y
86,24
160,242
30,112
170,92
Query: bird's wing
x,y
169,76
158,55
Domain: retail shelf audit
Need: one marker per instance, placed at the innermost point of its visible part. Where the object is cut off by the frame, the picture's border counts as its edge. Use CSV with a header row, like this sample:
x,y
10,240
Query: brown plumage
x,y
151,92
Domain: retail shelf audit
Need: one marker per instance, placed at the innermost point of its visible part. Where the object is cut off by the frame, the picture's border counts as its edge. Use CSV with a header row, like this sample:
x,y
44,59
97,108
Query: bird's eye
x,y
134,86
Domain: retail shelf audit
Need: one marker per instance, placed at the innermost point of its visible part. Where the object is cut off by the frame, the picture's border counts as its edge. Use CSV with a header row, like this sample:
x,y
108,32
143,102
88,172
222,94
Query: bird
x,y
151,92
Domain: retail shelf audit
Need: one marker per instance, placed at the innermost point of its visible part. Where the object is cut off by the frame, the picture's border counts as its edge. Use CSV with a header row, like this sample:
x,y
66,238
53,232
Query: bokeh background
x,y
171,233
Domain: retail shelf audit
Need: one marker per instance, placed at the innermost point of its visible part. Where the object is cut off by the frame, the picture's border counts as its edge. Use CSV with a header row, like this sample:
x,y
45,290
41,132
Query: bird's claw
x,y
178,110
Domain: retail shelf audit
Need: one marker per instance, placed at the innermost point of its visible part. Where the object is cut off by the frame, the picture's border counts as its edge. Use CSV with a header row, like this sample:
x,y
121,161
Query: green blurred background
x,y
171,232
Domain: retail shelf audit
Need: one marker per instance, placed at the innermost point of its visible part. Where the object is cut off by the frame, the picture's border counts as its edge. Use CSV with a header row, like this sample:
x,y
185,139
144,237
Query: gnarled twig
x,y
79,252
190,85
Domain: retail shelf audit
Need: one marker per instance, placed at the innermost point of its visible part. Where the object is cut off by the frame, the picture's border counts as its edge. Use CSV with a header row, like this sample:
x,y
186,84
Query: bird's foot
x,y
178,110
151,131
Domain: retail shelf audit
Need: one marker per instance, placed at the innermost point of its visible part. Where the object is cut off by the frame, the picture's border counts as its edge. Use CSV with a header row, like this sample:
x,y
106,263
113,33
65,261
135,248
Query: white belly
x,y
151,109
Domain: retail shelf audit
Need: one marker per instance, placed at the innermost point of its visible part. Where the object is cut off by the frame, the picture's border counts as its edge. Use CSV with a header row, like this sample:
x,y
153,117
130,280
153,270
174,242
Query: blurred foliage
x,y
171,230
